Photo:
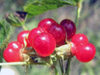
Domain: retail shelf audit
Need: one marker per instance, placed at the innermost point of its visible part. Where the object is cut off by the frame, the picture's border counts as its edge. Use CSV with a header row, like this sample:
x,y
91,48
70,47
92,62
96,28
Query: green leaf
x,y
5,33
70,2
36,7
4,29
14,20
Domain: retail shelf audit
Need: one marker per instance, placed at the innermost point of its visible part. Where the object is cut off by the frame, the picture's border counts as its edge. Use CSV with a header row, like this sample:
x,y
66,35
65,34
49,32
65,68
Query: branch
x,y
13,63
78,11
67,68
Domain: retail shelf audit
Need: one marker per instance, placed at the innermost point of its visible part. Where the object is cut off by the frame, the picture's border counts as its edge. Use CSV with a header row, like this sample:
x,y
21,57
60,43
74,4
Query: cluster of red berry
x,y
82,49
46,37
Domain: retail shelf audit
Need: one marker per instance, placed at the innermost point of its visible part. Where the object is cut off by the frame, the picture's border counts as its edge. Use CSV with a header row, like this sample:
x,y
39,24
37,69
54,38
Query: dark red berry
x,y
46,23
86,52
12,54
15,44
34,32
23,38
58,33
69,27
79,39
44,44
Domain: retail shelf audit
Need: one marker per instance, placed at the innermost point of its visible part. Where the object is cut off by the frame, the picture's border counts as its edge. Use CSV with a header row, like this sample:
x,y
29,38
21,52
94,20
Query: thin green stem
x,y
23,24
67,68
78,11
26,69
21,63
13,63
61,66
24,27
56,72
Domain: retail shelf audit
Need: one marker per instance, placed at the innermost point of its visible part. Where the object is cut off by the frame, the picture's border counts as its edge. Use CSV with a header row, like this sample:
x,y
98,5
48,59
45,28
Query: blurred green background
x,y
89,24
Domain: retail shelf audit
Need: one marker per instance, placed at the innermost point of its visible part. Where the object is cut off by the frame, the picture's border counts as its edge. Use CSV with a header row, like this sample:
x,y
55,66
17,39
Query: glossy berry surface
x,y
46,23
69,27
23,38
44,44
33,33
85,53
58,33
15,45
73,48
11,54
79,39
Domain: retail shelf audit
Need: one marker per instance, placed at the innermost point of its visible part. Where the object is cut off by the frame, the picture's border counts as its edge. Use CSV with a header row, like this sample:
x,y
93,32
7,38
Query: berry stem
x,y
56,72
23,24
67,68
78,11
13,63
24,27
61,66
64,49
26,69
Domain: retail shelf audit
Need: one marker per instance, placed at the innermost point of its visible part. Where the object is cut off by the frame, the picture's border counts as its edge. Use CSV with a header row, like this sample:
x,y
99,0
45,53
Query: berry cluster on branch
x,y
50,41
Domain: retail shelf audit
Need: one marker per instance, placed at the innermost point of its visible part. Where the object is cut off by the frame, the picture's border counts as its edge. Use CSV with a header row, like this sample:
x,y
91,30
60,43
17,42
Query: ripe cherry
x,y
58,33
15,44
33,33
12,54
23,37
69,27
86,52
79,39
44,44
46,23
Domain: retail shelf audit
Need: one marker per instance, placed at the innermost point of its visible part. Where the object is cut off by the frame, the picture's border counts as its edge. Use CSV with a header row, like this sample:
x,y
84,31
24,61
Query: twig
x,y
56,72
67,68
78,11
13,63
61,66
23,24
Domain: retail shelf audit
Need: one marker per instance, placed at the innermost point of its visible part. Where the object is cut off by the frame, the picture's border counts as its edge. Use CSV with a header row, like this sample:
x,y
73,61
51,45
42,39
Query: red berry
x,y
22,38
44,44
69,27
79,39
86,52
15,44
46,23
73,48
12,54
58,33
34,32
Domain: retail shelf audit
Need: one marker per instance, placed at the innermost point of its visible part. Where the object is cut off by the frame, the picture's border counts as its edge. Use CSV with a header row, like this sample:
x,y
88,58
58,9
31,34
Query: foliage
x,y
4,29
36,7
